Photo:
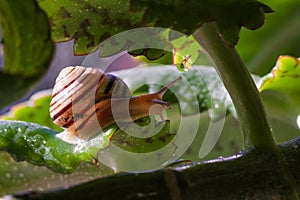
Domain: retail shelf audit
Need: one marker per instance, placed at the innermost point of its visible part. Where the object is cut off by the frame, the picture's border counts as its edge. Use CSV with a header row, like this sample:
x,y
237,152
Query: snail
x,y
82,101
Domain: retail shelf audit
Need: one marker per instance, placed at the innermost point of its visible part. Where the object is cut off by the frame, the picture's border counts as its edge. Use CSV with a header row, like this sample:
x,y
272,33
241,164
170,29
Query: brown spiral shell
x,y
81,100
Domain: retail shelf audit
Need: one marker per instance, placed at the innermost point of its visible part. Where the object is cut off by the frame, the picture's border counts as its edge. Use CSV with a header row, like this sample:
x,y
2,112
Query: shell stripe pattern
x,y
74,85
72,73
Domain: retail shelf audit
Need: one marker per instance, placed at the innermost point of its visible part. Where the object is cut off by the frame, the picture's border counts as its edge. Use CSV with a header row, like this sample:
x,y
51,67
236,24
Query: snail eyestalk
x,y
140,106
162,91
165,104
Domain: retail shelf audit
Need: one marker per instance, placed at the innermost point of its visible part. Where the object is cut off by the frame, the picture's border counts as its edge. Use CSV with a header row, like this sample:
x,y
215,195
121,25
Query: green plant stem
x,y
245,96
240,86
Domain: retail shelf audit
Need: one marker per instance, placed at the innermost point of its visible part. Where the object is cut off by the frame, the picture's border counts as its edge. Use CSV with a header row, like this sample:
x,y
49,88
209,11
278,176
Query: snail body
x,y
83,100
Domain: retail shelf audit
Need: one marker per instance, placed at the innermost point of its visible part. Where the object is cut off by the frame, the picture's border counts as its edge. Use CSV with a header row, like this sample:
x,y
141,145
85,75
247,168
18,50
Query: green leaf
x,y
39,145
281,89
186,17
183,51
285,76
281,96
143,145
150,42
88,22
26,38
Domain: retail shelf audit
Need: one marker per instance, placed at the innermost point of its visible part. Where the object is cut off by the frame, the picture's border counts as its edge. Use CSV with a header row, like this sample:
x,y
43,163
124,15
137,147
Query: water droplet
x,y
295,146
220,158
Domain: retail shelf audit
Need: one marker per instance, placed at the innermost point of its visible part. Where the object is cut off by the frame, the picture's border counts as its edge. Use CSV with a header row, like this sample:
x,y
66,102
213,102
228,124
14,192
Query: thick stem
x,y
245,97
250,175
241,87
